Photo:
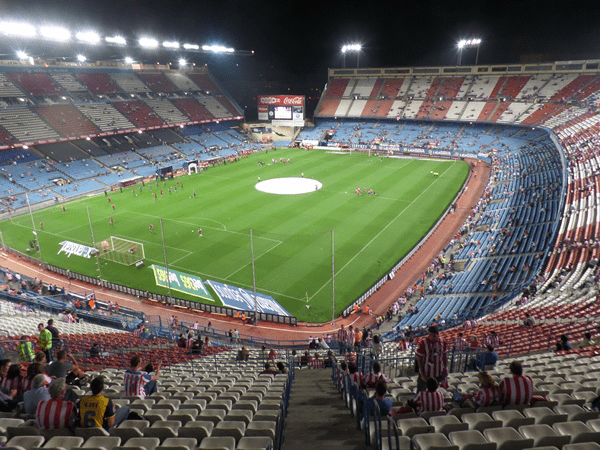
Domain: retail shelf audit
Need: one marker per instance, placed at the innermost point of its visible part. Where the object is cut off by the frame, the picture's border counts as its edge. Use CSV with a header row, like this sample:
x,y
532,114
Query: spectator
x,y
385,403
243,354
12,382
486,359
487,395
376,346
97,351
37,367
56,413
564,340
45,341
268,370
97,411
375,376
430,399
272,355
138,382
281,368
587,340
516,389
432,357
56,341
529,321
60,368
25,349
37,393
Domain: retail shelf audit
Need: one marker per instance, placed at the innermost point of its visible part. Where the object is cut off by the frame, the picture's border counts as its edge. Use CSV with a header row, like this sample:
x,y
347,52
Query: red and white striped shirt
x,y
370,380
429,401
487,396
516,390
356,378
432,357
27,382
134,383
12,384
54,414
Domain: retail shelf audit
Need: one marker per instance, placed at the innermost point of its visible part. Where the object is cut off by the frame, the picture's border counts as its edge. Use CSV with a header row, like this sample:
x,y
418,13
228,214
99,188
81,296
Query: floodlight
x,y
148,42
217,49
81,58
17,29
351,48
170,44
182,62
90,37
55,33
119,40
191,46
22,55
128,60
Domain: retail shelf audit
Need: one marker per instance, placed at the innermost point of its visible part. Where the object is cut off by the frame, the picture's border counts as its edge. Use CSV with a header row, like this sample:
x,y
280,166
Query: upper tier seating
x,y
35,84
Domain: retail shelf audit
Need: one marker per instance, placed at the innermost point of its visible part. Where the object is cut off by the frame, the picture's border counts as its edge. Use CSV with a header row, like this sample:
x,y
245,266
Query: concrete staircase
x,y
317,416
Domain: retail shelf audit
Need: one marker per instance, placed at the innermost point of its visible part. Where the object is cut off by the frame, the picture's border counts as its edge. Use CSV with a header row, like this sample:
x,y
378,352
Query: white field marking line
x,y
224,228
187,223
375,237
255,258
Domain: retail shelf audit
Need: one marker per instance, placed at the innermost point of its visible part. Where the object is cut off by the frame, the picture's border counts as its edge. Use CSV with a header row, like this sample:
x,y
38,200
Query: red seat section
x,y
158,82
193,109
98,83
67,120
337,87
35,84
204,82
139,113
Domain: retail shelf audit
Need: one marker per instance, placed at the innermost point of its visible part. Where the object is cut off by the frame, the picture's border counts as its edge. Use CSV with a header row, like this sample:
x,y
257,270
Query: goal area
x,y
121,251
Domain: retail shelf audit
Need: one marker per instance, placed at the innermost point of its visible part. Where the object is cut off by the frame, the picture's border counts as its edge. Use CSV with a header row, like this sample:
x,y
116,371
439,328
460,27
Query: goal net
x,y
121,251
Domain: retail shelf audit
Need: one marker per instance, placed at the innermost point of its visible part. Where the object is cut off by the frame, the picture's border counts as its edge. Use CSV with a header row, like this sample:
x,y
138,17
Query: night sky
x,y
294,44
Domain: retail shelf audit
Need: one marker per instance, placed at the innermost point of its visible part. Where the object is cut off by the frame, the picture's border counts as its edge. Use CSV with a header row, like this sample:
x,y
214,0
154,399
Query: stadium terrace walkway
x,y
378,303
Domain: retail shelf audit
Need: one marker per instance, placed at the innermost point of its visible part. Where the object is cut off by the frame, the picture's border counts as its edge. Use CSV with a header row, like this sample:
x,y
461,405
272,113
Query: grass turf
x,y
292,233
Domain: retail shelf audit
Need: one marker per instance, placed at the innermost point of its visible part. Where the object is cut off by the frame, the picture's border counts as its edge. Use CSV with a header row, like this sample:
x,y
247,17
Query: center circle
x,y
289,185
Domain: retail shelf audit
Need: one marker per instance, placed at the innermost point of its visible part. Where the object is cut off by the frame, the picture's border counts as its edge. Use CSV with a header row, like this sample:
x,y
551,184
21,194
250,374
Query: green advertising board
x,y
181,282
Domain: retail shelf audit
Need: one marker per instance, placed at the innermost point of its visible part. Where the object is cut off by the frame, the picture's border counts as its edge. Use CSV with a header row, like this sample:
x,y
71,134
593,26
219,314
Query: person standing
x,y
45,341
432,358
56,341
25,349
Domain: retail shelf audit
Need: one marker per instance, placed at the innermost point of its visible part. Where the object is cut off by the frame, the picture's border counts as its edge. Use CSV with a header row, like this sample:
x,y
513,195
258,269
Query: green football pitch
x,y
292,234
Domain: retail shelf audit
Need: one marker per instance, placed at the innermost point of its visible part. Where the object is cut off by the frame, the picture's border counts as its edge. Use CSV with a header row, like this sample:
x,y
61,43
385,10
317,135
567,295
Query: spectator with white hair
x,y
37,394
56,413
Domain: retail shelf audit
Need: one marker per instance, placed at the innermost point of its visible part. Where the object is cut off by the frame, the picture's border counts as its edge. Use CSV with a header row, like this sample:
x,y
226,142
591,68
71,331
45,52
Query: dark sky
x,y
296,42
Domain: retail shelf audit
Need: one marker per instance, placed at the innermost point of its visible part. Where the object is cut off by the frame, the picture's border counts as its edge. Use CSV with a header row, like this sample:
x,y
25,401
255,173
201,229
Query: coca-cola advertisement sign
x,y
281,100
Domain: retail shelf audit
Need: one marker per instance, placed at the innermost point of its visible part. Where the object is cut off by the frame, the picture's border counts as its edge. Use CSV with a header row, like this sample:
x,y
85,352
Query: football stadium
x,y
407,260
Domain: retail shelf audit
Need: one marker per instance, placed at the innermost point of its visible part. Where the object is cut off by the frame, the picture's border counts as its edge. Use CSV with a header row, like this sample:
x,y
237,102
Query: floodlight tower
x,y
468,43
356,48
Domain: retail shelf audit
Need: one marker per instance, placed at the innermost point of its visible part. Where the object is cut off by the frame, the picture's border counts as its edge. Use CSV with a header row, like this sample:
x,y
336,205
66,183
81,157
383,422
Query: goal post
x,y
121,251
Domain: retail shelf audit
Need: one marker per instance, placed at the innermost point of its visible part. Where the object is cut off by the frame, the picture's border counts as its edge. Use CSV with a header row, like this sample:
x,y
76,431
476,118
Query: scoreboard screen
x,y
282,110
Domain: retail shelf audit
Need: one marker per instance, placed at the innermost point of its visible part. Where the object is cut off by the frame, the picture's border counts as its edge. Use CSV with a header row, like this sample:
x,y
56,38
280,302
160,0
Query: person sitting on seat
x,y
37,393
138,382
268,370
56,413
97,411
243,354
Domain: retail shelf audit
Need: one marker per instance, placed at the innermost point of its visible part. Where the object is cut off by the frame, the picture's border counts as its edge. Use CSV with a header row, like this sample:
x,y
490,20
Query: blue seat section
x,y
81,169
504,244
78,187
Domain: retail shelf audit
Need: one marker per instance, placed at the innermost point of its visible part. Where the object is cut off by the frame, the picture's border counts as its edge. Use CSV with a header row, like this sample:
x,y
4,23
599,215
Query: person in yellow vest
x,y
45,341
25,349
